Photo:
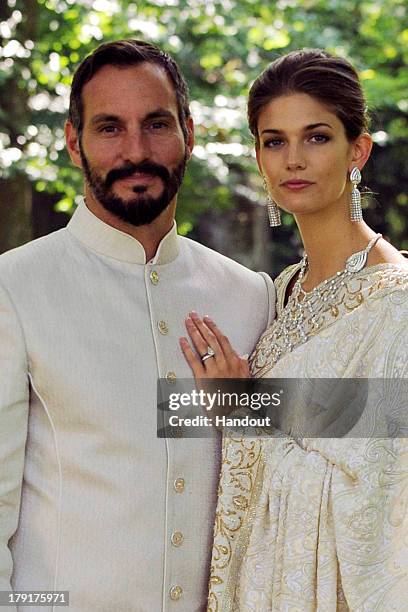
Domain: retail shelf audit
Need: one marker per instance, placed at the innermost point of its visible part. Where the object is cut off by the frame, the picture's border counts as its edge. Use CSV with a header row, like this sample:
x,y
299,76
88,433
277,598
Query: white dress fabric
x,y
321,523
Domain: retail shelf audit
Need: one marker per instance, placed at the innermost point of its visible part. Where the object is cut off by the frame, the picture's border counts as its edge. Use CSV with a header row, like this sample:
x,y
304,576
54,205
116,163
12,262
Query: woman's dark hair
x,y
331,80
125,53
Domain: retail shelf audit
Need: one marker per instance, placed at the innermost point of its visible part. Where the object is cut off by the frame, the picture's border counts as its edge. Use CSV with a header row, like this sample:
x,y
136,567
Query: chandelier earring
x,y
356,213
273,210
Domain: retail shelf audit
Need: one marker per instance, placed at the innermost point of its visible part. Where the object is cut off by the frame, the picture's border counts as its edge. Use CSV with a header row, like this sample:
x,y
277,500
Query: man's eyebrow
x,y
160,112
311,126
105,117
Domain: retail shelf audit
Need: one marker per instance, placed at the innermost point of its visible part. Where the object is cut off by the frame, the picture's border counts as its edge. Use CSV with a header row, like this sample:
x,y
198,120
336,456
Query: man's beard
x,y
142,209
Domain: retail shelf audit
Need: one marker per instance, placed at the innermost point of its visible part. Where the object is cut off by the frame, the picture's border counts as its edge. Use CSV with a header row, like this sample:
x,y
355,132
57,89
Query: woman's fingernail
x,y
193,314
208,318
246,356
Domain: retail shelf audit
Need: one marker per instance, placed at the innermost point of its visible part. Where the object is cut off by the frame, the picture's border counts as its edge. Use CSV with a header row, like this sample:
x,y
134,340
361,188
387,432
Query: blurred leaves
x,y
221,46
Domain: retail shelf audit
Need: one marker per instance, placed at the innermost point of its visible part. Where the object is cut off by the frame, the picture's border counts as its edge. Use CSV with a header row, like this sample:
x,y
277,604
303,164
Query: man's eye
x,y
158,125
109,129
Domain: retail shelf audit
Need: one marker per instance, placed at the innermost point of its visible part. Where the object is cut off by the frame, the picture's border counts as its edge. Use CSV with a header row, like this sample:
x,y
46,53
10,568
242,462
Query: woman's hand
x,y
206,338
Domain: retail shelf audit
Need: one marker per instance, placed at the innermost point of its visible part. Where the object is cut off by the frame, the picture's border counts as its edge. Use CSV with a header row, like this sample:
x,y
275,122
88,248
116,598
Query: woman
x,y
315,523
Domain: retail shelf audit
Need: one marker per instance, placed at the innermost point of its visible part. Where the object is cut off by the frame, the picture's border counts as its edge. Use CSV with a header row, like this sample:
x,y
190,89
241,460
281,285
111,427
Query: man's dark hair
x,y
123,53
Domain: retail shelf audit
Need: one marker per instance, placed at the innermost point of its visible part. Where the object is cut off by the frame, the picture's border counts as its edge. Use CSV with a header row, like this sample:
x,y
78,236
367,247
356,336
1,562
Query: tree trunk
x,y
16,190
15,212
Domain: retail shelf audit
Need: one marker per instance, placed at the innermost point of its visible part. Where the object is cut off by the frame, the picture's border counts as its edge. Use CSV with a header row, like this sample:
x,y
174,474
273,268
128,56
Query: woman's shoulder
x,y
286,274
281,283
385,279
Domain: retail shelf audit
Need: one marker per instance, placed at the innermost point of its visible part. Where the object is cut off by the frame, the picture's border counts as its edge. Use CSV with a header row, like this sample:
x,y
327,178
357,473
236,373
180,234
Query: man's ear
x,y
72,140
360,151
190,136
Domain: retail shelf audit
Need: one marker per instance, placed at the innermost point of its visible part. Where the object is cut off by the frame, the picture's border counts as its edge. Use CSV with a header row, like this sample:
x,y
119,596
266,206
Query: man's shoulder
x,y
33,255
198,252
225,274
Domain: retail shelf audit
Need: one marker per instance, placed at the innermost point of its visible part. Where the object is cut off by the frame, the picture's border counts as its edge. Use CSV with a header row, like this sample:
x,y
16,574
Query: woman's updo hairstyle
x,y
331,80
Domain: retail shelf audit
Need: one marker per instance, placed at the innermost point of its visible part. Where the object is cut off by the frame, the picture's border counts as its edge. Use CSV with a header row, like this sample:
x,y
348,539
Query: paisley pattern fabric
x,y
321,523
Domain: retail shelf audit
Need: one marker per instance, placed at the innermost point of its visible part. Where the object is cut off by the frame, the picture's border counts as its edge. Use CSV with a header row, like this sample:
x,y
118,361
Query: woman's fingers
x,y
213,367
226,363
191,357
222,339
198,341
203,337
201,370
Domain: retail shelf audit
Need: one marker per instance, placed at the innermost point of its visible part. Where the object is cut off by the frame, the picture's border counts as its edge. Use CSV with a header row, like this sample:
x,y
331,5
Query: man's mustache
x,y
130,169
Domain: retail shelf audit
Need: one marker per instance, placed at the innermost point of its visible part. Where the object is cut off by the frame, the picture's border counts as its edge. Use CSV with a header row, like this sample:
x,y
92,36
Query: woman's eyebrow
x,y
311,126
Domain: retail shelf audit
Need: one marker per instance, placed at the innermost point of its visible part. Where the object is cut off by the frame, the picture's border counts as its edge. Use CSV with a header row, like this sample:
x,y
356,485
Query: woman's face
x,y
304,154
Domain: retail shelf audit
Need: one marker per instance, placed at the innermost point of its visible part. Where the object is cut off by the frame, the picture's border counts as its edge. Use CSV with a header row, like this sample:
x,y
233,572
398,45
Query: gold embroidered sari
x,y
320,523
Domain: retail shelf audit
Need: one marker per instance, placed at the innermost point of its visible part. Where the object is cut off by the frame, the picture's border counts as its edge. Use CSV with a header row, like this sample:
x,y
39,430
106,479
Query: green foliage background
x,y
221,46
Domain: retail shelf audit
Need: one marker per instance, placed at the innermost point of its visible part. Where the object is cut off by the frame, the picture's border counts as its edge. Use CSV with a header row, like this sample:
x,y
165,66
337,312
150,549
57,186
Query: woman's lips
x,y
296,185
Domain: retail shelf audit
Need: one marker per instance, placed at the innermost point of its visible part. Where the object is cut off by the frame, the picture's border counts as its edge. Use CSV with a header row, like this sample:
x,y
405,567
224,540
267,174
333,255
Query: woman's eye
x,y
319,138
274,142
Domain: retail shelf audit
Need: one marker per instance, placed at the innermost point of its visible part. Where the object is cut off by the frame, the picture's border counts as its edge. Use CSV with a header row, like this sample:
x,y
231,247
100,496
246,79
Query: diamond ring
x,y
209,353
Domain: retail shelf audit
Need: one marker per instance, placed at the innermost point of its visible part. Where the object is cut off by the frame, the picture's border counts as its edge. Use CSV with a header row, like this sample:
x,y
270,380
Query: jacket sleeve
x,y
271,290
14,401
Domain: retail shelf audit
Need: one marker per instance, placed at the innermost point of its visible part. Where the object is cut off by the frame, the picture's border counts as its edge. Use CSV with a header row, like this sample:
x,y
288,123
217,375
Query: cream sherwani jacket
x,y
91,501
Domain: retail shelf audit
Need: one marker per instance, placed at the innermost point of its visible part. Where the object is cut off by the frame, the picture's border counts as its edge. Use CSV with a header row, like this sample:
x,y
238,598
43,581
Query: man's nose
x,y
295,157
135,146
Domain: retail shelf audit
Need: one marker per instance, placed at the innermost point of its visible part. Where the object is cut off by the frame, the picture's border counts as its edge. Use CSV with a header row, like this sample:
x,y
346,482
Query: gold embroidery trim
x,y
243,540
241,474
371,283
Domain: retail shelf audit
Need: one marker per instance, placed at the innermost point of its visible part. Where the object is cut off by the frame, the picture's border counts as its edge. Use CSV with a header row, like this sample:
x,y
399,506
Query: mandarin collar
x,y
106,240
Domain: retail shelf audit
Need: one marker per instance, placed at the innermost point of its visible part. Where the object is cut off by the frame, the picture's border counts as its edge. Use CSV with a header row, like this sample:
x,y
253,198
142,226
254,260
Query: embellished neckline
x,y
354,263
364,271
285,335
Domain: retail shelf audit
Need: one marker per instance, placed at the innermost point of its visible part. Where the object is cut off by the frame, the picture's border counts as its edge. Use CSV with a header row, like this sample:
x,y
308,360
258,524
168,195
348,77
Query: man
x,y
90,318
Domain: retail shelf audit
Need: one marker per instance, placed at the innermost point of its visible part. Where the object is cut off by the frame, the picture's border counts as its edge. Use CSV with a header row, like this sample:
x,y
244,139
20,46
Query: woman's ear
x,y
258,158
360,151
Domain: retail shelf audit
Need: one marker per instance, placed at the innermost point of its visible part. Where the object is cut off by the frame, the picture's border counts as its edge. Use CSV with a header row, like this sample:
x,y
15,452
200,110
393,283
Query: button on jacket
x,y
91,501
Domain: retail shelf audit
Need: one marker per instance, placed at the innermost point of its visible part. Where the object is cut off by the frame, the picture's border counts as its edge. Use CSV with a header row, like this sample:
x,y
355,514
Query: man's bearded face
x,y
141,209
132,148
